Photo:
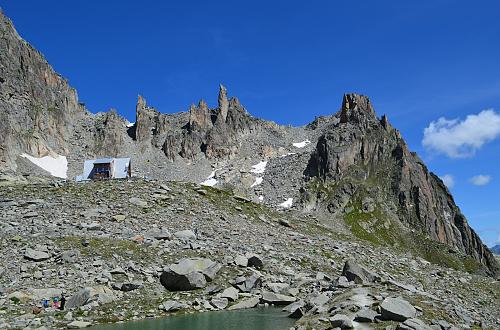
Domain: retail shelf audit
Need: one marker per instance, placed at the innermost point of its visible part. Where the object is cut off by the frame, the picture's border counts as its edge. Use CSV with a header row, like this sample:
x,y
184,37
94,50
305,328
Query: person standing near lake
x,y
63,302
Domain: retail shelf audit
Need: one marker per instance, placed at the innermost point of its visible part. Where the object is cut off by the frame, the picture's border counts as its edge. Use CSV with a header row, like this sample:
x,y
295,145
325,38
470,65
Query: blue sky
x,y
289,61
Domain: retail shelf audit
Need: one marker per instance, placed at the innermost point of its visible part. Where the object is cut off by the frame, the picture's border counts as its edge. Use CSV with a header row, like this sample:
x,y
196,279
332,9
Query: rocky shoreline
x,y
126,250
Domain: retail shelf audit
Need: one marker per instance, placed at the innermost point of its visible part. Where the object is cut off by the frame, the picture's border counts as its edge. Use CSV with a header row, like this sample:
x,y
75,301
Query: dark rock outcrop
x,y
39,110
212,133
358,274
364,156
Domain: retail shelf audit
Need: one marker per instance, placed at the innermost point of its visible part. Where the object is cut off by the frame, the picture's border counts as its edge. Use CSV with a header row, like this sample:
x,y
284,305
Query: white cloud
x,y
480,180
448,180
459,139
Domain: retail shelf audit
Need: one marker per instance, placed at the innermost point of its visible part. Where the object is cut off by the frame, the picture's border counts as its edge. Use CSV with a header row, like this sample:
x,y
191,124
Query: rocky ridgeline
x,y
366,167
211,133
350,168
182,248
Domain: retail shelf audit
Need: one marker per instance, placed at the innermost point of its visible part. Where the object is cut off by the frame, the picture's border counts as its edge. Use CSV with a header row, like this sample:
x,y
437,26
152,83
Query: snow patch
x,y
301,144
56,166
288,154
286,204
258,180
259,168
210,181
130,125
261,198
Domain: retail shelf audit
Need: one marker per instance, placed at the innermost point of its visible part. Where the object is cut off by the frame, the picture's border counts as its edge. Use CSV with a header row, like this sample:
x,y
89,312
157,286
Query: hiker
x,y
62,302
56,302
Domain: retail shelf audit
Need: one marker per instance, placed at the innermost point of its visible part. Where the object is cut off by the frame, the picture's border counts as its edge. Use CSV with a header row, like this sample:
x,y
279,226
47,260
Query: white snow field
x,y
301,144
258,180
286,204
259,168
210,181
56,166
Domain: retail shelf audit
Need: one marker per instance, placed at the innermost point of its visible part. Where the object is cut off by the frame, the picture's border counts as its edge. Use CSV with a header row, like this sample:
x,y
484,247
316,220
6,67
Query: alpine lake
x,y
262,318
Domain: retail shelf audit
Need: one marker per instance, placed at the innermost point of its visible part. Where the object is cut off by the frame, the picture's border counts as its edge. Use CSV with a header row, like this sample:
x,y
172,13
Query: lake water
x,y
248,319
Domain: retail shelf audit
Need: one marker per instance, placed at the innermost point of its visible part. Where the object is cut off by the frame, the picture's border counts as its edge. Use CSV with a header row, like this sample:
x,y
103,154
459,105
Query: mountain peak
x,y
356,108
223,103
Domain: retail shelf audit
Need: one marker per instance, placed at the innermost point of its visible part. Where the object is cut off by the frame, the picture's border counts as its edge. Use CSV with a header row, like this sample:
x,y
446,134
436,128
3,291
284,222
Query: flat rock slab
x,y
171,306
118,218
397,309
219,303
277,299
247,303
78,325
413,324
241,261
36,255
138,202
185,234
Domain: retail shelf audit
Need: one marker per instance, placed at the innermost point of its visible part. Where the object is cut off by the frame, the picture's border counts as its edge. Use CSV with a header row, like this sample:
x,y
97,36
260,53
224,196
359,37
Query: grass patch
x,y
107,247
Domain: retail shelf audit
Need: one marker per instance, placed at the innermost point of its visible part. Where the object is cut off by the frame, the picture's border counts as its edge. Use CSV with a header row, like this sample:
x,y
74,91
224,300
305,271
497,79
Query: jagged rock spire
x,y
223,103
356,108
199,117
146,124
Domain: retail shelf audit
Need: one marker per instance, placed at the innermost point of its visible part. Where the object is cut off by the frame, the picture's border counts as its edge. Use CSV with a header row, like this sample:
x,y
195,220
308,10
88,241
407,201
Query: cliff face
x,y
40,113
365,158
39,108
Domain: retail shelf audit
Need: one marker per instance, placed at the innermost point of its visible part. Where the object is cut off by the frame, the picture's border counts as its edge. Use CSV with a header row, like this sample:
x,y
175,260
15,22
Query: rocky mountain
x,y
350,170
495,249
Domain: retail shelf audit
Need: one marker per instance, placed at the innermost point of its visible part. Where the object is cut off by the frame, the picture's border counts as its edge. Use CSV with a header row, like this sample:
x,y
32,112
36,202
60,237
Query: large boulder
x,y
189,274
254,261
40,294
358,274
397,309
295,310
78,299
99,294
366,315
341,321
249,283
230,293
